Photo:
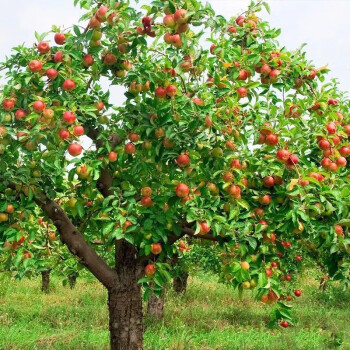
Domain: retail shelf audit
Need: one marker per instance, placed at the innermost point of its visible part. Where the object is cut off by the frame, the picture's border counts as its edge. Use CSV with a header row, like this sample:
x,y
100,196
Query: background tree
x,y
237,143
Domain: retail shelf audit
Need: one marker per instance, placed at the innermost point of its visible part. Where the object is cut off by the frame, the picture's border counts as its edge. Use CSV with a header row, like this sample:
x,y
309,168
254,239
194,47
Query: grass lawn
x,y
208,316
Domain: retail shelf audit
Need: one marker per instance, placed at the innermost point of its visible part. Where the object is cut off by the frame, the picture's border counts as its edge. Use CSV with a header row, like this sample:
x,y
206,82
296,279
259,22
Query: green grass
x,y
208,316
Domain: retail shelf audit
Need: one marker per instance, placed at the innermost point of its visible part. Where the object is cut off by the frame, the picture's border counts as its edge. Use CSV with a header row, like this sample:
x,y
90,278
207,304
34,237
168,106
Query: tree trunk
x,y
72,280
180,283
155,306
45,281
125,301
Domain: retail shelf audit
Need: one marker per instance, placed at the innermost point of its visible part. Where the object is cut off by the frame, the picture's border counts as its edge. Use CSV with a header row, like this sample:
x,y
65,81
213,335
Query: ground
x,y
209,316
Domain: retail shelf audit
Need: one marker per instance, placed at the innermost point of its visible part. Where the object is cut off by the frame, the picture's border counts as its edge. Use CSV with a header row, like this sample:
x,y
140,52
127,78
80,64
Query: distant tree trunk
x,y
72,280
125,300
155,306
45,281
180,282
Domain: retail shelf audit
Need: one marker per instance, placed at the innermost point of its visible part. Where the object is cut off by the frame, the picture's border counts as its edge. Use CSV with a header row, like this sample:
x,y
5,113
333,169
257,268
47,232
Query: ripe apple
x,y
292,160
146,191
183,160
133,137
341,161
160,92
283,155
35,66
48,113
265,70
68,85
297,292
271,140
75,149
274,75
298,258
204,227
43,47
169,21
198,101
176,40
265,199
171,90
332,102
94,23
8,104
101,13
240,21
60,38
69,117
324,144
112,156
51,73
20,114
331,127
150,270
156,248
146,201
268,181
38,106
78,130
243,75
58,57
63,134
338,230
245,265
284,324
182,190
129,148
110,59
88,60
180,16
242,92
344,151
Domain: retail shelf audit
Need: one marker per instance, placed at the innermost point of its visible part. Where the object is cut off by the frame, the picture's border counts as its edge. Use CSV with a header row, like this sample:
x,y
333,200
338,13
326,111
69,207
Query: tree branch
x,y
74,240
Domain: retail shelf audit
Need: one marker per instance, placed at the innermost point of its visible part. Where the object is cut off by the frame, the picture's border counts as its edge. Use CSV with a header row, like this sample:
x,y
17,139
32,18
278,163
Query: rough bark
x,y
125,301
155,306
180,283
45,281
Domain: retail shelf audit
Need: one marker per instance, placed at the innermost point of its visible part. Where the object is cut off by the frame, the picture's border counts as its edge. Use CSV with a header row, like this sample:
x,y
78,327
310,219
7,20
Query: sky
x,y
322,24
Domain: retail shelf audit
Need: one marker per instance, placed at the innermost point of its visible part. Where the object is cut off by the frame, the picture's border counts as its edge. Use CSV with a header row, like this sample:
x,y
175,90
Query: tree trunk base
x,y
45,281
180,283
72,280
125,301
155,306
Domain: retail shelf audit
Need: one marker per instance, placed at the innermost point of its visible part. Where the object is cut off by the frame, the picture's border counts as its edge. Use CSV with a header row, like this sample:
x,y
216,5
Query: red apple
x,y
150,270
38,106
68,85
242,92
43,47
156,248
182,190
60,38
183,160
88,60
51,73
35,66
8,104
171,90
63,134
160,92
75,149
69,117
180,16
112,156
20,114
78,130
129,148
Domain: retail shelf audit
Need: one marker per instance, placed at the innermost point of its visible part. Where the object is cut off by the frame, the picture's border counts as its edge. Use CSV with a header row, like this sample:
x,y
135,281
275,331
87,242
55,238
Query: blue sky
x,y
322,24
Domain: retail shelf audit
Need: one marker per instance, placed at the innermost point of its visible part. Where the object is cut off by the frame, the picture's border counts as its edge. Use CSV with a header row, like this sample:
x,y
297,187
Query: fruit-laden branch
x,y
105,181
74,240
190,232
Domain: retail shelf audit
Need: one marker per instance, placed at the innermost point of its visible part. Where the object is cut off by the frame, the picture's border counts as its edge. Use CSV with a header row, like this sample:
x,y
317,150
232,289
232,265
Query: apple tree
x,y
224,136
